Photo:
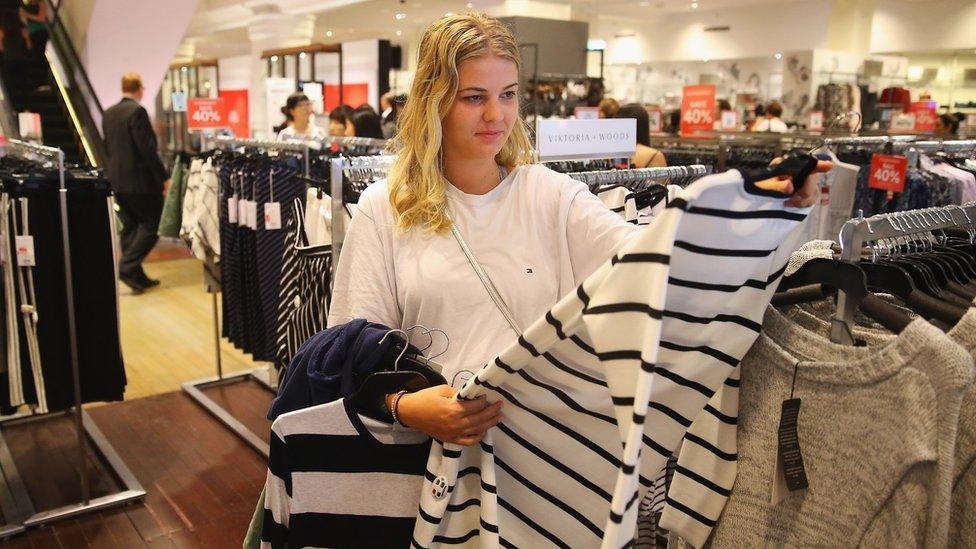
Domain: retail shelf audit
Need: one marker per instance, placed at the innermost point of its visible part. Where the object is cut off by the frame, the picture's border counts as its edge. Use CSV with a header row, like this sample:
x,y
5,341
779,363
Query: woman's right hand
x,y
436,412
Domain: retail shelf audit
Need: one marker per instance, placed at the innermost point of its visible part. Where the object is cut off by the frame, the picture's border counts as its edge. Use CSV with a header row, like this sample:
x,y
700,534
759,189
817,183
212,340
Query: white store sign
x,y
586,139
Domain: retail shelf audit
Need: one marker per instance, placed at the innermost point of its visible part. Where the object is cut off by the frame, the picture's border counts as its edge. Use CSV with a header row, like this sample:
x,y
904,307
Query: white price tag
x,y
232,210
272,215
25,251
252,214
242,212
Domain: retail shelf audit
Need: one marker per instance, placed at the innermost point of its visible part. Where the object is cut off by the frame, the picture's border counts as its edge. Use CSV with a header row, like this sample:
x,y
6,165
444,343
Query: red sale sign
x,y
888,172
697,109
206,114
238,115
924,112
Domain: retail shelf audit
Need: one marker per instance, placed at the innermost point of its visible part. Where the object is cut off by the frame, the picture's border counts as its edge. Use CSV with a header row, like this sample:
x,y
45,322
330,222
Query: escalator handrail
x,y
69,48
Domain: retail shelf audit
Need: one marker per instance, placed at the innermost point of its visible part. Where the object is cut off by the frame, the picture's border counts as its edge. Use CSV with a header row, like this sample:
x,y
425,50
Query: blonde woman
x,y
464,161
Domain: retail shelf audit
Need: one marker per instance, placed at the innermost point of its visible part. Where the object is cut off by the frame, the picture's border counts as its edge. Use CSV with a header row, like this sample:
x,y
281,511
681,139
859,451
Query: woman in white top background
x,y
298,119
464,160
771,122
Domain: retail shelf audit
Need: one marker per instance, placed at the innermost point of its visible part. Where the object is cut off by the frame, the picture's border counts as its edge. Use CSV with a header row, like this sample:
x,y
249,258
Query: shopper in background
x,y
386,108
645,156
138,177
34,13
339,123
608,107
366,123
771,122
15,43
946,124
298,122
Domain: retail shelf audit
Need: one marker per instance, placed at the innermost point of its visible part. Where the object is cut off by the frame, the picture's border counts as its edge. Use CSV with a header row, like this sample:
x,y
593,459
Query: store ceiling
x,y
220,26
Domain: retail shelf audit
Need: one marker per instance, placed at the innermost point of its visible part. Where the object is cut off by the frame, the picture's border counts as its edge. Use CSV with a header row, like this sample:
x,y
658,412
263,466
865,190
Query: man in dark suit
x,y
138,177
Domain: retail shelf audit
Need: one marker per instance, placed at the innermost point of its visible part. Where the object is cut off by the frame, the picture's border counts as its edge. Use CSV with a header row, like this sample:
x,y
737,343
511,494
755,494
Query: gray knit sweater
x,y
877,428
962,525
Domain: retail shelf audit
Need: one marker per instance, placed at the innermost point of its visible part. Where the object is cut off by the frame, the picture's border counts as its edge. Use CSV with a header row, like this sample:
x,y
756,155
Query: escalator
x,y
56,87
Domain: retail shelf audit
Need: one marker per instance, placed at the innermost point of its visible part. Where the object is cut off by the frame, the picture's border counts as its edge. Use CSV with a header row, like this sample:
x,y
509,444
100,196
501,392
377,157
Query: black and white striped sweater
x,y
601,390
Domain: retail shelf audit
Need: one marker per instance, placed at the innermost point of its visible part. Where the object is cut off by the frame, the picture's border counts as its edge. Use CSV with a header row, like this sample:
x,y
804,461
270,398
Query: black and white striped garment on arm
x,y
642,345
338,479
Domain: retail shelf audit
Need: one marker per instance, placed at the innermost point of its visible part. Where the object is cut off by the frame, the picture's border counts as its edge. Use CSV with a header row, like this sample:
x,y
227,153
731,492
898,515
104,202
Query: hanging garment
x,y
888,411
647,339
318,218
201,211
900,96
306,288
172,217
339,479
620,200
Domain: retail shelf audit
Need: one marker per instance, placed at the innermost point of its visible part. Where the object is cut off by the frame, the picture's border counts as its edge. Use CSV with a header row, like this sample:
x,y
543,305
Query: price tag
x,y
242,212
816,121
252,214
272,215
179,101
25,250
232,209
697,109
790,474
888,172
730,120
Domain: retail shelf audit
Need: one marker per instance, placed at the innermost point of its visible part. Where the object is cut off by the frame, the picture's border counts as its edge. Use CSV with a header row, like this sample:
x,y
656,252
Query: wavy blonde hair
x,y
416,180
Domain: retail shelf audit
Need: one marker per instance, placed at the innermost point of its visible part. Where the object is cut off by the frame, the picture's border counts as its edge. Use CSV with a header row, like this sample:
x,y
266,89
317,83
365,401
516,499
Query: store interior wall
x,y
125,36
901,26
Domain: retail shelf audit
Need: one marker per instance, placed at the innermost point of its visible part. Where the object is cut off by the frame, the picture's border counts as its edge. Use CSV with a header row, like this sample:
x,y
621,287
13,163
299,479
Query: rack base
x,y
195,390
16,504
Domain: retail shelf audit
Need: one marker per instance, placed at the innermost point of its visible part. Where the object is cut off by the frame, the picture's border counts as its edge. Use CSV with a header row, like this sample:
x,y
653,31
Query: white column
x,y
270,29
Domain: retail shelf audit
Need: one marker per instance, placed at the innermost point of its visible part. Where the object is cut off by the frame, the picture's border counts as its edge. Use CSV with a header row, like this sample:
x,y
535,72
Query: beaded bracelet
x,y
396,403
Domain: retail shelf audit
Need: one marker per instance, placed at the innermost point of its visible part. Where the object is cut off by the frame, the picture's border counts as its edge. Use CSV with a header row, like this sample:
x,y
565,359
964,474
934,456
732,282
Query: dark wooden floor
x,y
202,482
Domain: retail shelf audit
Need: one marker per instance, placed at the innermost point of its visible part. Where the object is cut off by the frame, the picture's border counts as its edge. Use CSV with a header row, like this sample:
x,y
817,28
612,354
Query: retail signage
x,y
697,109
315,92
902,122
730,120
816,122
925,116
656,119
586,139
205,114
238,111
277,91
354,95
179,101
888,172
29,124
587,113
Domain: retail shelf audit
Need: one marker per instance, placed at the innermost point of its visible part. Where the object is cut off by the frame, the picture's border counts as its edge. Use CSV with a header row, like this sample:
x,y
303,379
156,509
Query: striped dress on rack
x,y
600,392
306,288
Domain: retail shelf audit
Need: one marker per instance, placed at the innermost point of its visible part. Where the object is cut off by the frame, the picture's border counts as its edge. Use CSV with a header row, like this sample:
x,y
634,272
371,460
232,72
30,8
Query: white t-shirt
x,y
311,132
538,234
774,125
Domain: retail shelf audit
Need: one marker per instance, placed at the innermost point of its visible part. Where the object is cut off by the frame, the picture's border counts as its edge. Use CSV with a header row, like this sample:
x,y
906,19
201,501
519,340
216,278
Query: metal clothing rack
x,y
262,376
867,230
338,166
637,175
15,502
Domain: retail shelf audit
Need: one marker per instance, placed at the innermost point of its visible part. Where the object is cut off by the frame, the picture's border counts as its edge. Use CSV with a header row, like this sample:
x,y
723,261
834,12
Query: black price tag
x,y
790,458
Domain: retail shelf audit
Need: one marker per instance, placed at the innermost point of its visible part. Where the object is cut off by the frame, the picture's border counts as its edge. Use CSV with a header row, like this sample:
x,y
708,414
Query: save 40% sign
x,y
206,114
888,172
697,108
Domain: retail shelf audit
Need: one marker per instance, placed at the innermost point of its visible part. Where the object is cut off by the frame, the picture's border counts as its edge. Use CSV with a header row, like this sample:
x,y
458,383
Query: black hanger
x,y
809,283
894,279
398,371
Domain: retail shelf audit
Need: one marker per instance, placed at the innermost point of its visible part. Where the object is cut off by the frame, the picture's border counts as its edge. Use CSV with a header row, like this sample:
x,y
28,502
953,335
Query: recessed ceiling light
x,y
704,60
779,55
399,33
694,5
448,13
274,58
302,55
328,33
400,16
183,69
